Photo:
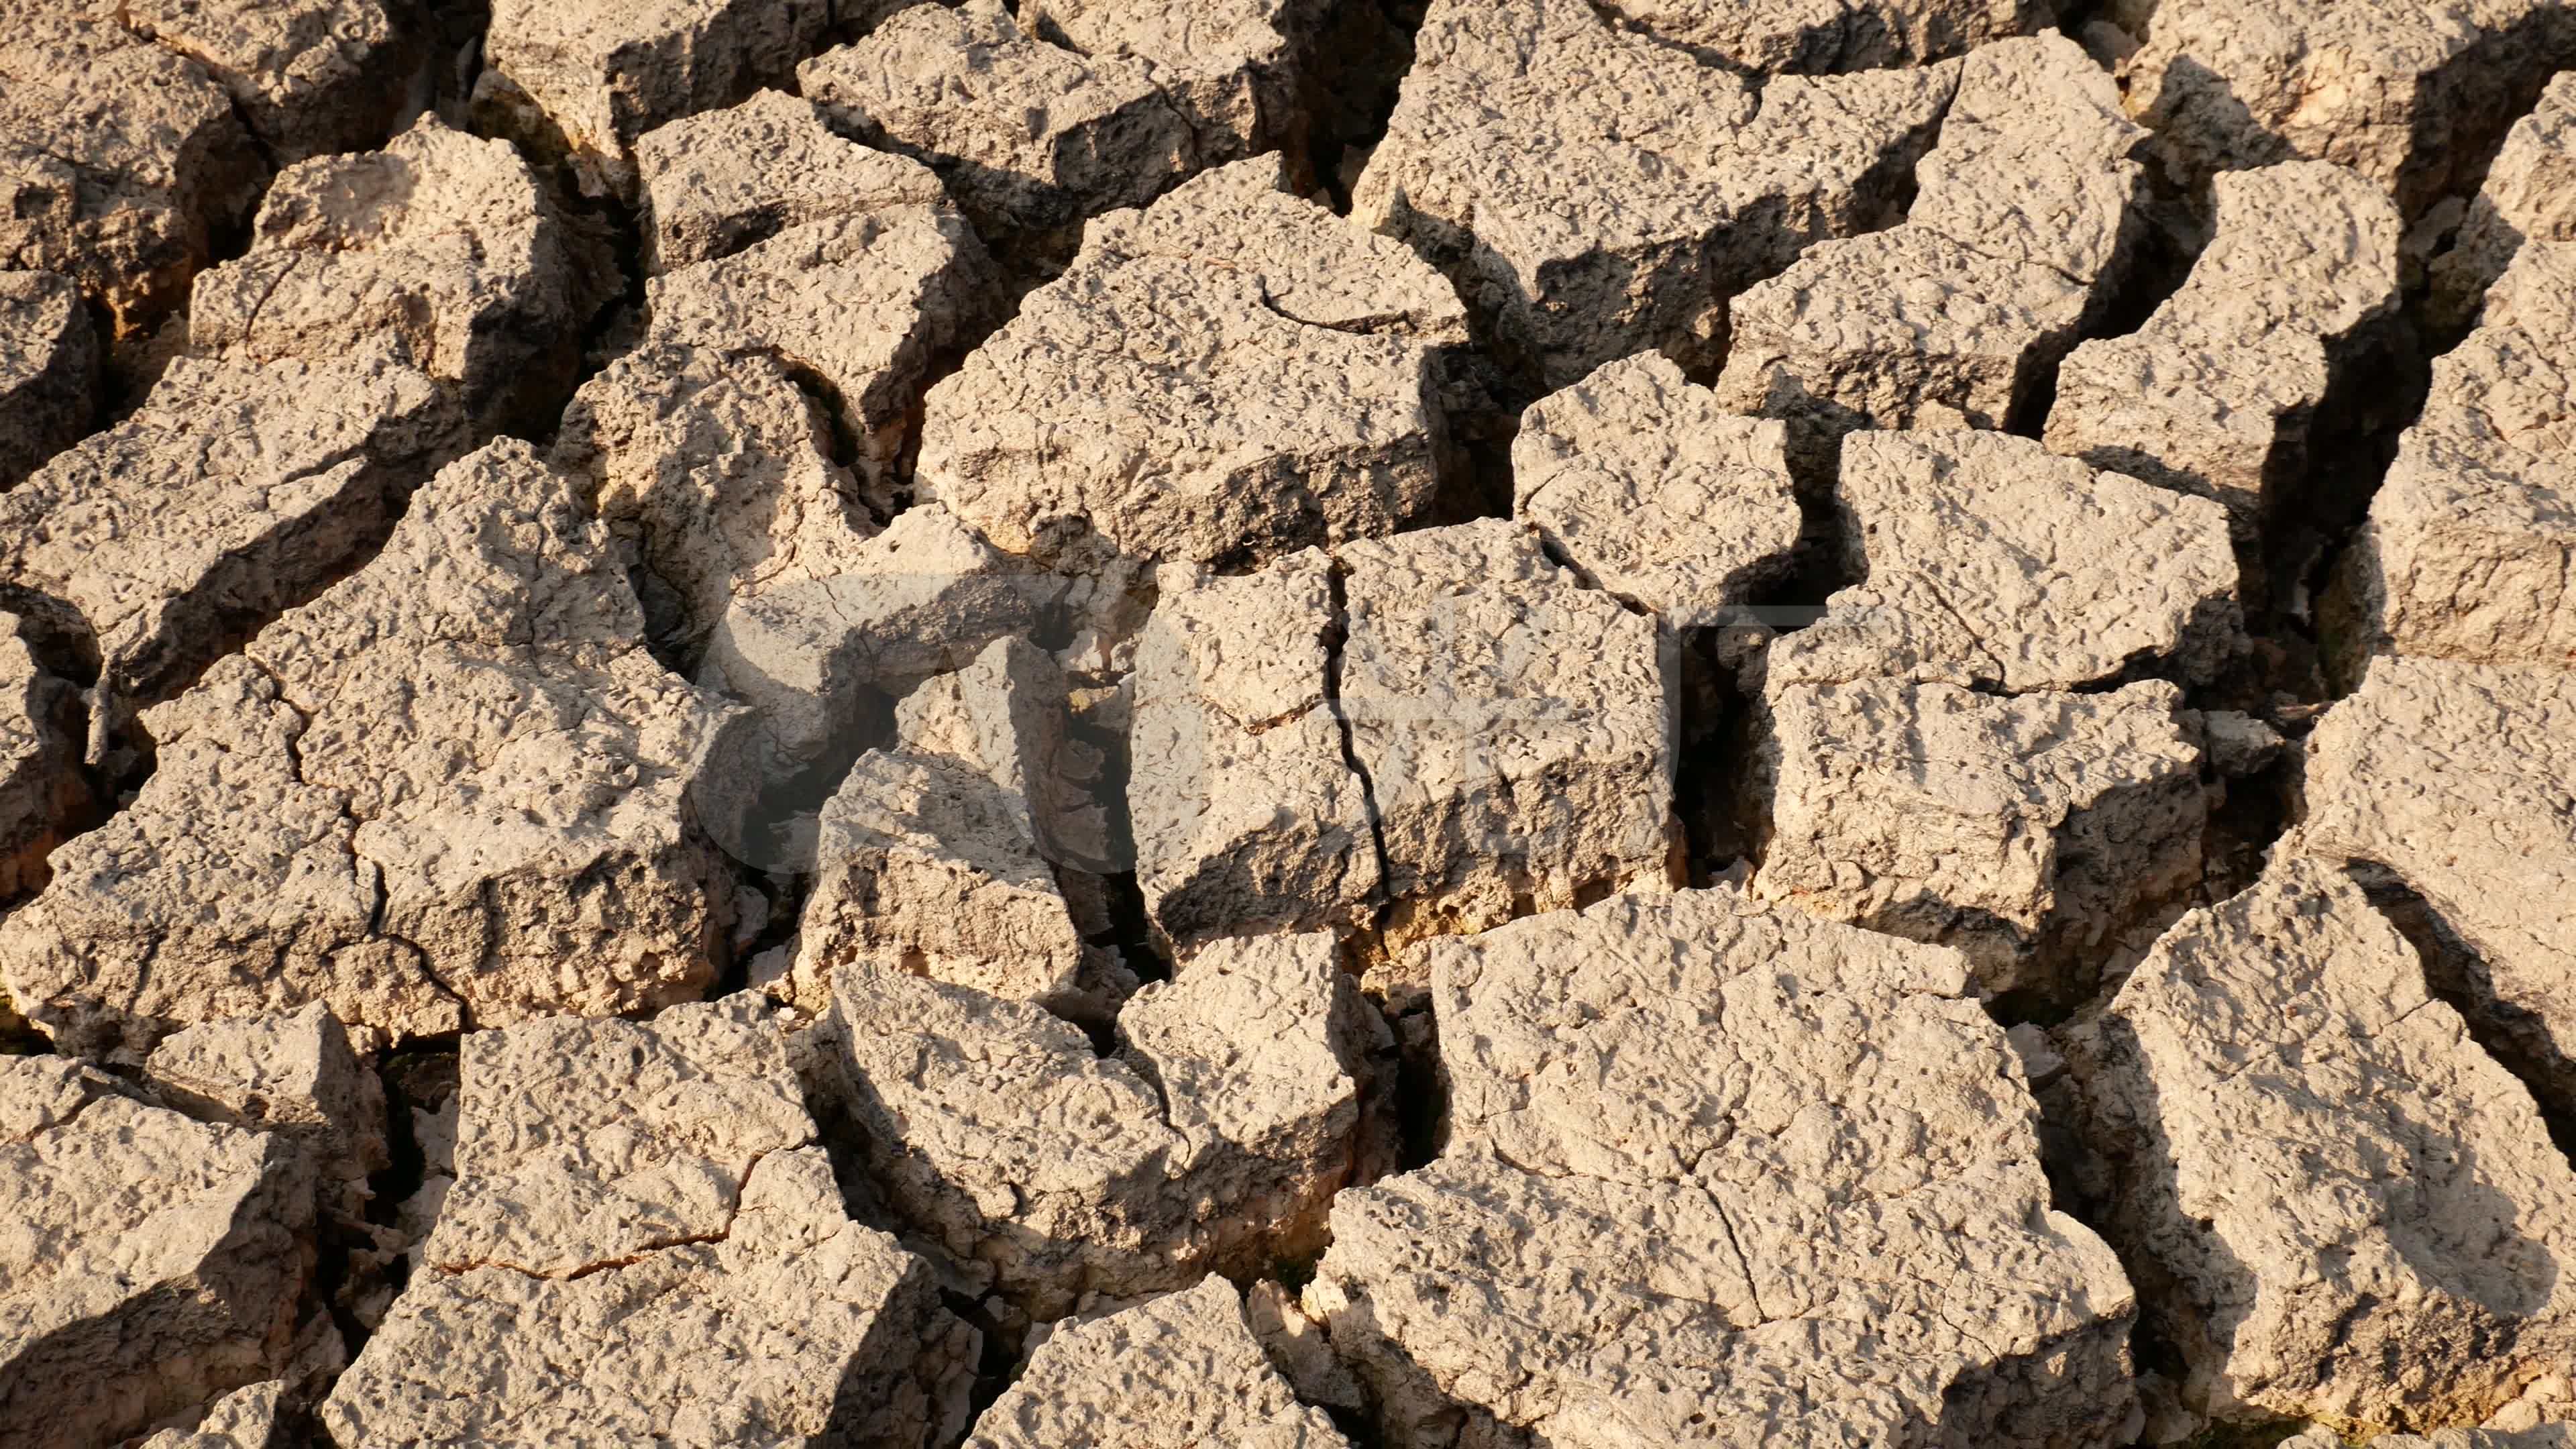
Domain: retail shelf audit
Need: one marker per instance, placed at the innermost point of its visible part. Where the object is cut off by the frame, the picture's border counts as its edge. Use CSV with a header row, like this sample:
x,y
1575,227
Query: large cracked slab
x,y
2408,95
2033,832
1597,192
1177,1372
236,490
1226,376
580,83
151,1263
1646,487
49,370
2338,1205
451,791
1212,1141
2216,393
635,1203
308,77
2529,195
1248,814
443,239
2461,780
2470,545
1511,726
119,161
717,182
2019,230
1985,562
1721,1173
296,1076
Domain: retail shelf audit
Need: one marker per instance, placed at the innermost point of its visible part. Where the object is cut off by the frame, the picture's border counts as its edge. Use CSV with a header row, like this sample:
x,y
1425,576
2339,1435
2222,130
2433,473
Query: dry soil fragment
x,y
1598,192
2031,832
2409,95
1722,1173
715,473
679,1267
2020,229
1213,1140
310,76
2546,1436
2340,1207
1227,376
2215,394
151,1263
1511,724
117,159
2529,196
1986,562
42,789
237,490
2461,779
451,790
1248,815
1821,36
243,1419
442,238
2470,548
581,81
1179,1372
49,370
1637,478
1033,136
716,183
865,303
295,1076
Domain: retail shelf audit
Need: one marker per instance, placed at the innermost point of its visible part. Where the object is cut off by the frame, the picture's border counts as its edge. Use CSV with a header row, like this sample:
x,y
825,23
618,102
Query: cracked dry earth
x,y
1288,724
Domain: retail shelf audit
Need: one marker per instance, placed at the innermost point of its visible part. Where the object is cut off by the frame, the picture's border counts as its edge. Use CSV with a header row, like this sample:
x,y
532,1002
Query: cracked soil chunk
x,y
236,490
579,82
1511,726
2470,547
293,1075
2020,229
633,1202
247,1418
1775,37
118,159
43,793
2031,832
450,791
1597,192
1637,478
151,1263
1247,812
2339,1205
1178,1372
1985,562
2461,779
309,76
443,239
2214,395
716,183
1227,376
2529,195
1720,1173
49,370
1212,1141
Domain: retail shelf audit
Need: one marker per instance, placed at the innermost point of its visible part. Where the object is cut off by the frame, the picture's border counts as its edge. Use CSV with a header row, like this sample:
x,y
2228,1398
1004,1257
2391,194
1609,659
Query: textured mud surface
x,y
1287,724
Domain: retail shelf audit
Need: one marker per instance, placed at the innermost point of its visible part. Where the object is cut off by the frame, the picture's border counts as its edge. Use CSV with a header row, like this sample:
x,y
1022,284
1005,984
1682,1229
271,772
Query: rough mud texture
x,y
1178,1372
49,370
42,789
2337,1205
2459,778
2020,230
1988,564
1721,1172
1228,375
442,239
1596,191
2529,196
243,1419
633,1204
1212,1140
296,1076
151,1264
451,791
1647,488
2408,95
307,76
2470,544
716,183
2216,393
